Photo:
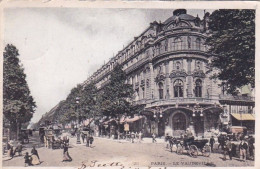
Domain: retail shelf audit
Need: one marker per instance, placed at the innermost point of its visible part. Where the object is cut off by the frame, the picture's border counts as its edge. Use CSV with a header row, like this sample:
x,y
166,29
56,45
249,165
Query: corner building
x,y
168,68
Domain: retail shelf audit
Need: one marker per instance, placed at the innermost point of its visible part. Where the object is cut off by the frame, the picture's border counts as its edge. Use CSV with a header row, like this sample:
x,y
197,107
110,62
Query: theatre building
x,y
168,66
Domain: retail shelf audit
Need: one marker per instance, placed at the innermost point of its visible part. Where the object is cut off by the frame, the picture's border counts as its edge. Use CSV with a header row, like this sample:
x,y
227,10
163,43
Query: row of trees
x,y
18,104
113,101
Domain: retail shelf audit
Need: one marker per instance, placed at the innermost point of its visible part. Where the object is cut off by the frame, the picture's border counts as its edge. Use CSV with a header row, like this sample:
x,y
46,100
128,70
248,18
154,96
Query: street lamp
x,y
241,111
78,134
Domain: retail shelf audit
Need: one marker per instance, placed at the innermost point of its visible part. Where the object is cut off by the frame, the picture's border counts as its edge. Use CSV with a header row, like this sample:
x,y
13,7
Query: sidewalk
x,y
144,140
73,140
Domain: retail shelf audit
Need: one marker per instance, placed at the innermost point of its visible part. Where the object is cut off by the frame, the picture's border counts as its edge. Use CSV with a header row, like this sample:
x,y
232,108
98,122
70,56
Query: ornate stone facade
x,y
168,68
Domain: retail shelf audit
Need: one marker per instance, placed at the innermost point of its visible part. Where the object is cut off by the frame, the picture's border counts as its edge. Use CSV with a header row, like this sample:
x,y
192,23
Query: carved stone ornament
x,y
136,85
148,83
159,77
199,73
178,73
142,83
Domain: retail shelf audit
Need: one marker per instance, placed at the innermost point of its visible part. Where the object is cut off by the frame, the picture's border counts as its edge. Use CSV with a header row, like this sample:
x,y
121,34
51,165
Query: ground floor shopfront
x,y
174,121
202,120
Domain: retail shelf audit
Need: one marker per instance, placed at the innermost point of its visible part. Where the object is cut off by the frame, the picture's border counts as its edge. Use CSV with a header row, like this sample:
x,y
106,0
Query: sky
x,y
61,47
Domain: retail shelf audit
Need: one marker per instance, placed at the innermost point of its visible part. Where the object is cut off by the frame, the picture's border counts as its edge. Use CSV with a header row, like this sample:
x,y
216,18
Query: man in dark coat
x,y
227,146
211,142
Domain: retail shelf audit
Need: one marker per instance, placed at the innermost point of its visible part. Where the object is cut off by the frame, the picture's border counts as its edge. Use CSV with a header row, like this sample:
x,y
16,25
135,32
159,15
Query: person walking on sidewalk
x,y
132,137
227,148
83,137
243,149
140,136
66,156
212,142
154,138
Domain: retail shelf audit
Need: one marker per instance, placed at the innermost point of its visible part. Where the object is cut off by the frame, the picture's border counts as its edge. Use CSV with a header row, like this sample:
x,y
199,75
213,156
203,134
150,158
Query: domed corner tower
x,y
182,92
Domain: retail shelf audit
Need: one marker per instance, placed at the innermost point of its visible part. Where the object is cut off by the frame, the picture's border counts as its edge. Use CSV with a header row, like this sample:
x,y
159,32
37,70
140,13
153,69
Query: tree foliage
x,y
116,98
18,104
233,44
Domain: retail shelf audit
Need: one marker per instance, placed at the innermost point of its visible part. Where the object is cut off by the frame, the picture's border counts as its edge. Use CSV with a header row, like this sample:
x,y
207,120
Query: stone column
x,y
189,79
152,83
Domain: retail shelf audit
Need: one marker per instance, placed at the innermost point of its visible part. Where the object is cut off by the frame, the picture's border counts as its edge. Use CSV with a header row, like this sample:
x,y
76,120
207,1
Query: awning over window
x,y
130,120
244,116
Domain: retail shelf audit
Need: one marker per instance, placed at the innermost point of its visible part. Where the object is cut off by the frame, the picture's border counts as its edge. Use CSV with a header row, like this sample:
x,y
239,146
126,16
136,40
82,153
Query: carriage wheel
x,y
179,150
206,151
193,151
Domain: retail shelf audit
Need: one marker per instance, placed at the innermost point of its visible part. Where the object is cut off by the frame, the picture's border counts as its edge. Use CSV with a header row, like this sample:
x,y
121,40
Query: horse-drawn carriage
x,y
193,147
53,139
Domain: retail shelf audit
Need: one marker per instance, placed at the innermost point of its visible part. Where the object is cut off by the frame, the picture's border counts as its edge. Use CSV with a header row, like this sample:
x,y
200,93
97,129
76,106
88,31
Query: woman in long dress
x,y
66,156
35,157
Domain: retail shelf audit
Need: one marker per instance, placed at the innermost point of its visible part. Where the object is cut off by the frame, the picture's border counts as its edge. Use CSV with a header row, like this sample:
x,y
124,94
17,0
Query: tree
x,y
233,44
18,104
117,97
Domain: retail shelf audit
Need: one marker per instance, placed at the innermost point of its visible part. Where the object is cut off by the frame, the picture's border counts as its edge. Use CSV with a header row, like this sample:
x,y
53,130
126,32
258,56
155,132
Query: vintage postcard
x,y
129,84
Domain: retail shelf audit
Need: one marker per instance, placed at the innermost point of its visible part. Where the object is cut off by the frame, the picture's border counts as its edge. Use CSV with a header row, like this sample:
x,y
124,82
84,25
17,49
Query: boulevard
x,y
108,152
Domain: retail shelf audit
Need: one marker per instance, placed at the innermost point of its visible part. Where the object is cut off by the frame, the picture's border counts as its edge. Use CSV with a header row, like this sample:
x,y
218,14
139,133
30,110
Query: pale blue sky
x,y
60,47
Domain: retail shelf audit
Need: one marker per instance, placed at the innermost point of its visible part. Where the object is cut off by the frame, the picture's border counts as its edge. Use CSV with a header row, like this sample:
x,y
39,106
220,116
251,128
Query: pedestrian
x,y
35,157
87,140
251,147
91,140
132,137
154,138
27,159
243,149
83,137
227,148
212,141
66,156
10,152
140,136
19,148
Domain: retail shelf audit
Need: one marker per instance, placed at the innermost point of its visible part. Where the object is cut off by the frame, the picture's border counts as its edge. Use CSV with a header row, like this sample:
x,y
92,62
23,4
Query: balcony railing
x,y
236,98
159,102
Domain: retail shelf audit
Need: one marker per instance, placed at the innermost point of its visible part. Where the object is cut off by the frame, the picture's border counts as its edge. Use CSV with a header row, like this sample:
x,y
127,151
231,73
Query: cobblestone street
x,y
110,152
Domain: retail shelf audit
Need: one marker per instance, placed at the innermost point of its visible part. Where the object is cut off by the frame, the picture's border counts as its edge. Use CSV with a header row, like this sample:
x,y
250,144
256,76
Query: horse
x,y
172,141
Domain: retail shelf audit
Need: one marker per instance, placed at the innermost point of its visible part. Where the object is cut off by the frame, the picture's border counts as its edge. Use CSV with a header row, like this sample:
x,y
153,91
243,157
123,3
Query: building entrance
x,y
179,123
199,126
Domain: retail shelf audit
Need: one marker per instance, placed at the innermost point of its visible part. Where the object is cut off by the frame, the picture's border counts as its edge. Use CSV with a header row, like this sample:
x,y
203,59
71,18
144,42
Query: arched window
x,y
177,44
198,42
198,88
178,88
179,122
160,90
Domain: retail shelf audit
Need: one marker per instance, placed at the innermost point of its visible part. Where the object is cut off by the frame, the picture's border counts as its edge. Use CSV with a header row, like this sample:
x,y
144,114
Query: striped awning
x,y
244,116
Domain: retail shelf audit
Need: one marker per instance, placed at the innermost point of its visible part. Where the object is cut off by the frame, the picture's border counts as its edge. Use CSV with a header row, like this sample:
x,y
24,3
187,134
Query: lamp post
x,y
240,111
78,133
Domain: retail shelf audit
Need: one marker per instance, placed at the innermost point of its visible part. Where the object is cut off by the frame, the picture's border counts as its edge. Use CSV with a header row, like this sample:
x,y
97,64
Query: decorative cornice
x,y
178,73
198,73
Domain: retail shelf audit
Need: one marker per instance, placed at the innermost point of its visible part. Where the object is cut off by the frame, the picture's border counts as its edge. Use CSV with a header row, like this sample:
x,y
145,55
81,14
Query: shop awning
x,y
108,121
130,120
244,116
